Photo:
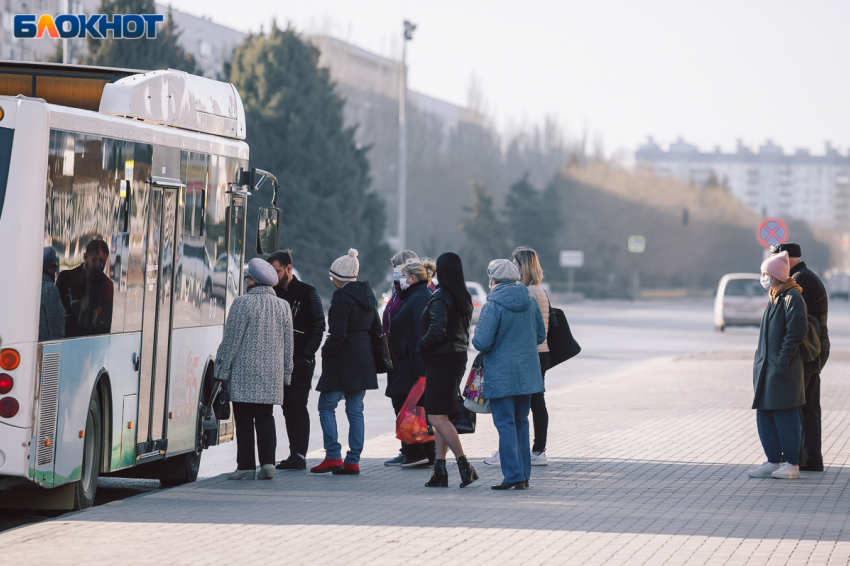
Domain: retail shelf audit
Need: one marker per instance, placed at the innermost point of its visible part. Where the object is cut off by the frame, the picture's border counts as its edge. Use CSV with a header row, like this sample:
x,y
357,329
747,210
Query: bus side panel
x,y
190,349
83,360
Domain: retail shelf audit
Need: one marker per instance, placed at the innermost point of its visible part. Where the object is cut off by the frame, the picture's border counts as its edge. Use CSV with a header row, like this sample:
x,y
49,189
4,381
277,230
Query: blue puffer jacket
x,y
509,329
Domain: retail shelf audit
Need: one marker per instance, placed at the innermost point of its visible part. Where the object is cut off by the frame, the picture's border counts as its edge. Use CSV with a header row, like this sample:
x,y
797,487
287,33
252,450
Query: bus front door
x,y
160,248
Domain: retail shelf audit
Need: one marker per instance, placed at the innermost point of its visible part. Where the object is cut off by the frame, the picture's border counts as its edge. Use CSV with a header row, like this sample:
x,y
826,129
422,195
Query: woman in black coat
x,y
404,335
348,365
443,349
778,371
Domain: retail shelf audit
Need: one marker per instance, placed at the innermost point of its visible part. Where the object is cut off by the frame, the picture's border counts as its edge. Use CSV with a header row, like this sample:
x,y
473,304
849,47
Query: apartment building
x,y
769,181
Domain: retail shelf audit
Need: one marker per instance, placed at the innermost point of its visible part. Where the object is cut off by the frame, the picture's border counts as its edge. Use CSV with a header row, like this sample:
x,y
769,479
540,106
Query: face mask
x,y
403,283
765,282
396,273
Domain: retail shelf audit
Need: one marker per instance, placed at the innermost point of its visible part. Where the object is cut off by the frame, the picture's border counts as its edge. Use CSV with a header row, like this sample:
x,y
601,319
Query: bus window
x,y
215,231
192,265
140,172
6,136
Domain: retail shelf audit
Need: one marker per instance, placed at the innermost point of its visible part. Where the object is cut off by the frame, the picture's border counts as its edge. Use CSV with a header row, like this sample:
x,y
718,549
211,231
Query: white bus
x,y
107,369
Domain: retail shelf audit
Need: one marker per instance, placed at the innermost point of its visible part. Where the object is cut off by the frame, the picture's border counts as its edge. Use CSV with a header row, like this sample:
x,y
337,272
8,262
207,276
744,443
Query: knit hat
x,y
793,250
346,268
501,270
49,259
778,265
261,272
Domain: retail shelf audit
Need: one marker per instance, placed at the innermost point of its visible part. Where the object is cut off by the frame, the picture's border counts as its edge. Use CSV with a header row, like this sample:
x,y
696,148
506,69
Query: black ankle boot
x,y
467,472
439,476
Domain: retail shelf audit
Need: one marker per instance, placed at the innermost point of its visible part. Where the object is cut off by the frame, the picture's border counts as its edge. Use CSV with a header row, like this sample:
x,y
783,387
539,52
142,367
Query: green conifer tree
x,y
486,235
296,131
143,54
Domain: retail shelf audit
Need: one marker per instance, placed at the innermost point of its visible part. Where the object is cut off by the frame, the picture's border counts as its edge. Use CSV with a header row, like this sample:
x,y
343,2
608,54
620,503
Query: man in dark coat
x,y
814,294
87,293
309,326
348,365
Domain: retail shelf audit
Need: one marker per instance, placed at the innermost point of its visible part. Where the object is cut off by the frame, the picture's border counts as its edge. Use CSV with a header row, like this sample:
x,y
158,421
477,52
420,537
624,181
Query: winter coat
x,y
778,365
347,360
817,303
255,355
392,306
405,333
538,293
446,330
51,317
510,327
308,322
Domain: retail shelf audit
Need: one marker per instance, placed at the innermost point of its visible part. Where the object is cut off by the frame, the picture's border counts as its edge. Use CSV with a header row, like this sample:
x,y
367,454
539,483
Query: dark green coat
x,y
778,365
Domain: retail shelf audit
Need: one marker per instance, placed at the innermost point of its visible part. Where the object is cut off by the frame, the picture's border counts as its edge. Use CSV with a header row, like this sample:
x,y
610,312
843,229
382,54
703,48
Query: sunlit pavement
x,y
650,438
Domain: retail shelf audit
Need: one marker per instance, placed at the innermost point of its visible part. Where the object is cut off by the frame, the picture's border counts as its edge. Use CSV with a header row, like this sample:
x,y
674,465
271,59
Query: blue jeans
x,y
780,433
328,400
510,415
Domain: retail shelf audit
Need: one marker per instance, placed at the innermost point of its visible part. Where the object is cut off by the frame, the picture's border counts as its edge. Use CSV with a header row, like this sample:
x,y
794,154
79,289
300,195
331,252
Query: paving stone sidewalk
x,y
647,467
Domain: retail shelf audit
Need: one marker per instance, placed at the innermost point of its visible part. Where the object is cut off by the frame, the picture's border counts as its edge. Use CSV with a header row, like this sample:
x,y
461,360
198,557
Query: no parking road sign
x,y
772,231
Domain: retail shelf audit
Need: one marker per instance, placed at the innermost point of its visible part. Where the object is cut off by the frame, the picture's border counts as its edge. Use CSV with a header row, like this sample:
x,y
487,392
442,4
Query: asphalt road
x,y
616,337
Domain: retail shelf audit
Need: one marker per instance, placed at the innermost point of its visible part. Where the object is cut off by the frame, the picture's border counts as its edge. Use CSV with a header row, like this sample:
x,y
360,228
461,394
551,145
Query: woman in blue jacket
x,y
509,329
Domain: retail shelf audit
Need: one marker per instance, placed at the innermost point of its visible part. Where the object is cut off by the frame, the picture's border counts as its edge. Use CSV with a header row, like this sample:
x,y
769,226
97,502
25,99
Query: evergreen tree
x,y
296,131
144,54
485,234
532,218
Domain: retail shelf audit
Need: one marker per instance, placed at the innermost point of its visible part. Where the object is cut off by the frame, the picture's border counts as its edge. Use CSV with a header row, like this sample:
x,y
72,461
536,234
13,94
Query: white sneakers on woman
x,y
769,470
536,459
266,473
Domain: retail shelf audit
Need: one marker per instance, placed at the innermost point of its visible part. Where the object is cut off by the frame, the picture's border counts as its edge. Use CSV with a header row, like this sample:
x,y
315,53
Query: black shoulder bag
x,y
562,345
381,348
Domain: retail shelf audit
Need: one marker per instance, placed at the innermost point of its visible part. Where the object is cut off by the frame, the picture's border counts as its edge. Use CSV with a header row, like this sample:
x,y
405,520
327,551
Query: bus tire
x,y
183,469
86,488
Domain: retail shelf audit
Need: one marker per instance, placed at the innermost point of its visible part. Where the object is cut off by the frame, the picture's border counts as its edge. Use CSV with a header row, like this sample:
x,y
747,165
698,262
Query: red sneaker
x,y
348,470
326,466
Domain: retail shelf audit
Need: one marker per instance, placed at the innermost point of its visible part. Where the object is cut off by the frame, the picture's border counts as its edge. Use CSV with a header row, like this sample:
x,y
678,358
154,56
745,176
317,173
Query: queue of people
x,y
273,332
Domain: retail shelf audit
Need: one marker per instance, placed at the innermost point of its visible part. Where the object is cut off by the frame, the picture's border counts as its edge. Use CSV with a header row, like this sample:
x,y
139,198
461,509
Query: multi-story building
x,y
815,188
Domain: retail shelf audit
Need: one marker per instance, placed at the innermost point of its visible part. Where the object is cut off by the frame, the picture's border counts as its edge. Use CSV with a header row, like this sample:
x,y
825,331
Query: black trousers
x,y
810,415
419,451
246,418
295,411
539,412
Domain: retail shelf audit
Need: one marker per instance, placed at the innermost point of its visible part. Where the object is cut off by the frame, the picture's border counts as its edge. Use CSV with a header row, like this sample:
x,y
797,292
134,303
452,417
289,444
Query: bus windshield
x,y
6,136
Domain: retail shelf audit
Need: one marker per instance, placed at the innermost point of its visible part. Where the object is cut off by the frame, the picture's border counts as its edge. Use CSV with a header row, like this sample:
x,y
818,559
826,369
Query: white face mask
x,y
765,282
396,273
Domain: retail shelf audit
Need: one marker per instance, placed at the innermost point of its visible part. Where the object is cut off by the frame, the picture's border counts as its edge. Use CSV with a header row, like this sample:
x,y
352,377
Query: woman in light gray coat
x,y
778,371
255,361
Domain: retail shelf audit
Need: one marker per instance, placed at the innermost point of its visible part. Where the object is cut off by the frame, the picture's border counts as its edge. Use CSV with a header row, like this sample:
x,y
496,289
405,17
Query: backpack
x,y
810,348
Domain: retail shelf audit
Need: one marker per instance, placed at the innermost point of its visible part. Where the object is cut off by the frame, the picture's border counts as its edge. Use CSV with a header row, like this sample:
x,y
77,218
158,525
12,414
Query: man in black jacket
x,y
308,322
815,297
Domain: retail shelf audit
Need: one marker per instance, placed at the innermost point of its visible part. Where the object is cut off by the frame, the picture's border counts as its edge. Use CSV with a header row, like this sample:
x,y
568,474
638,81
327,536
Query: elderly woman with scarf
x,y
778,371
255,362
508,332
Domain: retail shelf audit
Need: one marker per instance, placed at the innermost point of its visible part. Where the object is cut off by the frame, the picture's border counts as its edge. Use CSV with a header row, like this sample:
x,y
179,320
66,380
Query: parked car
x,y
838,285
479,297
740,301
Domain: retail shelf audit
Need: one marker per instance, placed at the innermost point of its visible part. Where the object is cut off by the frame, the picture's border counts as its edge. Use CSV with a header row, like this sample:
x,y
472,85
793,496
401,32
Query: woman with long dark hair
x,y
443,350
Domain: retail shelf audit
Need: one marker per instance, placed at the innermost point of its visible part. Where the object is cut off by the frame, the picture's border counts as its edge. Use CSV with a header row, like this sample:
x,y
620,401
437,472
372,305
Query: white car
x,y
479,297
740,301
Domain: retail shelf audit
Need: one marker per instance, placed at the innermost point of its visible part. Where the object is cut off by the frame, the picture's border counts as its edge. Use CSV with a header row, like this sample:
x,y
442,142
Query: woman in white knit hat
x,y
348,367
255,361
778,371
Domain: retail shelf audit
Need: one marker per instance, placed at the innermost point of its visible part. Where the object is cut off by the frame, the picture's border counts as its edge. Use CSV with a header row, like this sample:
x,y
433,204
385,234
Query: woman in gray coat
x,y
778,371
255,361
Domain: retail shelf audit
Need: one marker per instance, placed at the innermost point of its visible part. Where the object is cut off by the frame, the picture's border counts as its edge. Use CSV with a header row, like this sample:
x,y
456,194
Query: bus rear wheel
x,y
86,488
183,469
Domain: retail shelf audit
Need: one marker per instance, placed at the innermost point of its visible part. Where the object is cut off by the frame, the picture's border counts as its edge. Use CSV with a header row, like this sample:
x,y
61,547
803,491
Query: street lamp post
x,y
402,138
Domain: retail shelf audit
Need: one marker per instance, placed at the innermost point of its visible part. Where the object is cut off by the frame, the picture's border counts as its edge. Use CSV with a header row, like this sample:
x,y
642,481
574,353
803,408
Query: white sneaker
x,y
493,460
764,471
787,472
539,459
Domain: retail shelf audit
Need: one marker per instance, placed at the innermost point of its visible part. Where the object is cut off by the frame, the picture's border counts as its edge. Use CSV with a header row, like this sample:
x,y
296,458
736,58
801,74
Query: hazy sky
x,y
711,71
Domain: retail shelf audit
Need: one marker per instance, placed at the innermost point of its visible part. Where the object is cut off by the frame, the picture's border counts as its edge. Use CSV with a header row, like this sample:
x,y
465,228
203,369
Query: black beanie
x,y
793,250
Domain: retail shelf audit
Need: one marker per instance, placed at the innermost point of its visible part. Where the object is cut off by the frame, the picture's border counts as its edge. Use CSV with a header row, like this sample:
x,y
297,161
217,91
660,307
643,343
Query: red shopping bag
x,y
410,425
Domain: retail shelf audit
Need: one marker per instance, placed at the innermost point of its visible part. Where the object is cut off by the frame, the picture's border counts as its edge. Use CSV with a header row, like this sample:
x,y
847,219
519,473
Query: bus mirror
x,y
268,230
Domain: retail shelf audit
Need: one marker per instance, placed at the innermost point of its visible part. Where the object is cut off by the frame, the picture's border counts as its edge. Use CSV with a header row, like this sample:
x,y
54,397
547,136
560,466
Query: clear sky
x,y
711,71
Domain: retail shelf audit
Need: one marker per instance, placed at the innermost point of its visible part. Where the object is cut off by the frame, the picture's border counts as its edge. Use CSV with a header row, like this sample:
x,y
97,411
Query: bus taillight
x,y
6,383
8,407
9,359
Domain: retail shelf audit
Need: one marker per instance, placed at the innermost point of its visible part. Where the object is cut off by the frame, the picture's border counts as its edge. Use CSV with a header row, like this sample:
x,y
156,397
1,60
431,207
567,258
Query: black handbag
x,y
381,348
221,403
562,345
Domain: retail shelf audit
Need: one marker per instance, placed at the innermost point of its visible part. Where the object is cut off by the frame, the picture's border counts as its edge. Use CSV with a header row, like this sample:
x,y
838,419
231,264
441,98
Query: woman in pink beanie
x,y
778,371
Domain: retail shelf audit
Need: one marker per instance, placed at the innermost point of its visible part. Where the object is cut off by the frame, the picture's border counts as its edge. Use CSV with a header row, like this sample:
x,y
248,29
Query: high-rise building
x,y
770,182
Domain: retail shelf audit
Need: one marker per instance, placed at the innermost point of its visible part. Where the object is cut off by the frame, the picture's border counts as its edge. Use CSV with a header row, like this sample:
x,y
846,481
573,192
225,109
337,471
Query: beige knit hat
x,y
347,267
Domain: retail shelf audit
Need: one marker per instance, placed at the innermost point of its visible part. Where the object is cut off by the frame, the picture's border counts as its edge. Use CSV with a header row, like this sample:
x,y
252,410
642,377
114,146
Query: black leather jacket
x,y
448,330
